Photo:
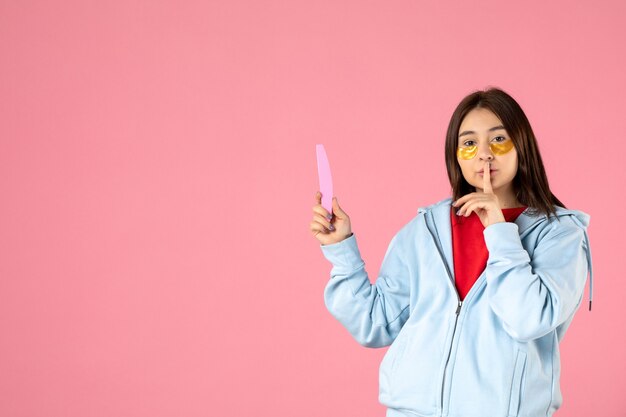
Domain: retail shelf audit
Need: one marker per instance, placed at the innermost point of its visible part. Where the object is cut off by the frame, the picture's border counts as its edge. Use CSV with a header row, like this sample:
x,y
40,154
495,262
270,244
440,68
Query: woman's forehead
x,y
480,120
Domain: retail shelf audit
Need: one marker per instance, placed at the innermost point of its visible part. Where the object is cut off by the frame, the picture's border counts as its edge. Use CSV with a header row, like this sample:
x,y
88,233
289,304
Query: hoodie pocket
x,y
396,354
516,385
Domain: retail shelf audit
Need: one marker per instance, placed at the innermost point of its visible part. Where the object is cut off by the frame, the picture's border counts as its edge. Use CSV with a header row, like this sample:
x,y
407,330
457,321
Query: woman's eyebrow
x,y
469,132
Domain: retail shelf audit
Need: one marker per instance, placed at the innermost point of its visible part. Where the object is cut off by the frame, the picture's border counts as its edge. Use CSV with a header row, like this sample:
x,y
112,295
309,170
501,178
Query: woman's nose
x,y
485,153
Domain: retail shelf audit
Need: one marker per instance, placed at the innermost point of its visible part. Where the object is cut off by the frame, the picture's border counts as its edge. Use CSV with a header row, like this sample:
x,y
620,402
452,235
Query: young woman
x,y
476,291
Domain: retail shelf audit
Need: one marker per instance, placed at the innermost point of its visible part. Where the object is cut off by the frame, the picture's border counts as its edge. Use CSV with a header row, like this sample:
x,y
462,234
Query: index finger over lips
x,y
487,178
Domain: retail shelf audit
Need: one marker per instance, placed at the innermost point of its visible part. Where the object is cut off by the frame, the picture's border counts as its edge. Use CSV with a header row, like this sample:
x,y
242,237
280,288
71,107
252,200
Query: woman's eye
x,y
468,143
502,138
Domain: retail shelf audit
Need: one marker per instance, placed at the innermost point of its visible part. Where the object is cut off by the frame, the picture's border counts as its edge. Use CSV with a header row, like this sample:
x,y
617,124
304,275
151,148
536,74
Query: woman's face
x,y
484,130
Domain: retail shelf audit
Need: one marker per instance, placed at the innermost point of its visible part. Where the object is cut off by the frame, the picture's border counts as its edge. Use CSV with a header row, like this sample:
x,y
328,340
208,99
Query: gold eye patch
x,y
498,148
466,152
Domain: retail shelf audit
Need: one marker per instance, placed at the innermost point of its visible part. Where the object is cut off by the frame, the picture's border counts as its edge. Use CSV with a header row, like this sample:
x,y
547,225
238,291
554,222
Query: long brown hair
x,y
530,183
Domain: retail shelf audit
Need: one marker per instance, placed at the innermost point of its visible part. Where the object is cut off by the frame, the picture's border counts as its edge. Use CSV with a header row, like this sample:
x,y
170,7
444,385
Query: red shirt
x,y
468,247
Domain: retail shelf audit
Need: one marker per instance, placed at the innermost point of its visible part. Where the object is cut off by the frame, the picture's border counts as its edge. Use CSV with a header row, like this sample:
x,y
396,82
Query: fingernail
x,y
329,217
458,212
331,227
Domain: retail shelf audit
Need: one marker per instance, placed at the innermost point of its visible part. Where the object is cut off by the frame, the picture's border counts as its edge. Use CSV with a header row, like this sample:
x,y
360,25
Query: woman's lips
x,y
491,171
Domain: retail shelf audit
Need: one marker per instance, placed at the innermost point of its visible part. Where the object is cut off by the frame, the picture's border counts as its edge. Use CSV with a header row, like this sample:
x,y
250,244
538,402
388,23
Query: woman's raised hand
x,y
485,204
329,231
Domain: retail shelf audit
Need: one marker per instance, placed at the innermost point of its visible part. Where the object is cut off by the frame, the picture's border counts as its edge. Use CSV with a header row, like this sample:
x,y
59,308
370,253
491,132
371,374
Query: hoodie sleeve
x,y
534,296
373,314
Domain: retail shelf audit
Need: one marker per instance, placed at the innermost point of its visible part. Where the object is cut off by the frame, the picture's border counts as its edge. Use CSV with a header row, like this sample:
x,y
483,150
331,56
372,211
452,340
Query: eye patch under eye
x,y
498,148
466,152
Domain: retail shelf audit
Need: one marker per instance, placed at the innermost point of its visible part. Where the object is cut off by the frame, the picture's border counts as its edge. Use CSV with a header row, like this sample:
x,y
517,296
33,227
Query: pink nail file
x,y
326,181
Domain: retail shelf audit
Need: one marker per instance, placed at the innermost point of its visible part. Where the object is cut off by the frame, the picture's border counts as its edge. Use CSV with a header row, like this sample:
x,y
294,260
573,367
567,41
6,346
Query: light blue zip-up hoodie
x,y
496,353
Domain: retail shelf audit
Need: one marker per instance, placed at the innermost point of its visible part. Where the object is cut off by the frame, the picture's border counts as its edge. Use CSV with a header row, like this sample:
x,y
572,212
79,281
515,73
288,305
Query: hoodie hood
x,y
582,219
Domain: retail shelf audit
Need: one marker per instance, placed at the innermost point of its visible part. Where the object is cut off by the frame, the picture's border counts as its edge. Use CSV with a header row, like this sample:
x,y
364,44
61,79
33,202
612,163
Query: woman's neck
x,y
510,203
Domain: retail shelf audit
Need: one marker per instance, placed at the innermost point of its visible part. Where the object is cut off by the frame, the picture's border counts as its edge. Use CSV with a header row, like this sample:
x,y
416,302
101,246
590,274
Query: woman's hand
x,y
486,204
329,231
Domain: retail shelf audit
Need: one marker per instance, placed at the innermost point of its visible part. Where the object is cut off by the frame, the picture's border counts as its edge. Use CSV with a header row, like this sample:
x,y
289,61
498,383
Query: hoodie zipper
x,y
445,368
458,307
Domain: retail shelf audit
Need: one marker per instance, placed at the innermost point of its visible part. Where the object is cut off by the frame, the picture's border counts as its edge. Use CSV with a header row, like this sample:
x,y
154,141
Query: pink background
x,y
157,175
